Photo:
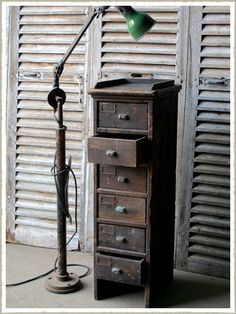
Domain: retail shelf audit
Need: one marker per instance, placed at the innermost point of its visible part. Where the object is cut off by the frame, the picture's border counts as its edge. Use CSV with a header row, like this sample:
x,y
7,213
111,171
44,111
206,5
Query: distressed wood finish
x,y
121,270
122,115
153,55
122,238
122,208
116,151
204,213
35,47
134,206
12,43
122,178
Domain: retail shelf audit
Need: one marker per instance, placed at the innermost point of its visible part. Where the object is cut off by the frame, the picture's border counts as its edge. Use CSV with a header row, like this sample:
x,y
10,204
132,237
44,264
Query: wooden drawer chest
x,y
134,152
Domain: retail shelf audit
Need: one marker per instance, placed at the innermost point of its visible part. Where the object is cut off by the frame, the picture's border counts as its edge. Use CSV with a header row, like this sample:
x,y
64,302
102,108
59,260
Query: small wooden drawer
x,y
120,115
128,152
121,208
122,238
122,178
123,270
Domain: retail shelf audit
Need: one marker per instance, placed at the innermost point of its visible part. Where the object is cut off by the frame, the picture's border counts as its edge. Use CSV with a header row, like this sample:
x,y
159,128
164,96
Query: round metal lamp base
x,y
54,285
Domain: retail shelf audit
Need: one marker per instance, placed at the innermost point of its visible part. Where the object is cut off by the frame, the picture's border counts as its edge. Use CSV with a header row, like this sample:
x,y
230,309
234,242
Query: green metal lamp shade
x,y
138,23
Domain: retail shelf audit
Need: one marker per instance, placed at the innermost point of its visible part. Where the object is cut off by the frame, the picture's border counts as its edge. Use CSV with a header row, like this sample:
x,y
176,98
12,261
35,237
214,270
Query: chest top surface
x,y
131,87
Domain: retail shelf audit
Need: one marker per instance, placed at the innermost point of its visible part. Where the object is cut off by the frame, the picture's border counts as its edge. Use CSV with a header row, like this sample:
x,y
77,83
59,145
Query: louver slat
x,y
214,106
221,170
212,179
210,220
43,40
212,190
211,200
213,159
208,250
212,210
218,242
218,232
213,138
154,54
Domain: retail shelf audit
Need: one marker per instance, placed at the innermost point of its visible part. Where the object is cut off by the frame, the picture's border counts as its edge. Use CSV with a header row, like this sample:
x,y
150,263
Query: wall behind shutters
x,y
205,248
44,35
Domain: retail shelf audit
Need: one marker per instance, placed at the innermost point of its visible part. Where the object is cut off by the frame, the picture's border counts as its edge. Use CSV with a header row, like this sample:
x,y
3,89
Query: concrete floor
x,y
188,290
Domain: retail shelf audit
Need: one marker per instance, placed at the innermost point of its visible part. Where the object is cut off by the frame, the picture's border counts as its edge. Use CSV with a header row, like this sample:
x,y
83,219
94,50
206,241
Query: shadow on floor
x,y
198,292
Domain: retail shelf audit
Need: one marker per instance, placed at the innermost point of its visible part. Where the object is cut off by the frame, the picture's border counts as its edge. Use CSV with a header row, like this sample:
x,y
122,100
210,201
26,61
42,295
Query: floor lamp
x,y
138,24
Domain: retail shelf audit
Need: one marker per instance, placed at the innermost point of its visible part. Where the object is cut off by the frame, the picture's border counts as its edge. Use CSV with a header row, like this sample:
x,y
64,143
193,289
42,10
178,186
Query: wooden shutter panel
x,y
208,250
44,35
154,54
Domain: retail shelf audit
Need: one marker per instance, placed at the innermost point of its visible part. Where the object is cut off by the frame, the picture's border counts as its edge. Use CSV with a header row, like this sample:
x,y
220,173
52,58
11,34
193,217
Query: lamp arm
x,y
60,66
125,9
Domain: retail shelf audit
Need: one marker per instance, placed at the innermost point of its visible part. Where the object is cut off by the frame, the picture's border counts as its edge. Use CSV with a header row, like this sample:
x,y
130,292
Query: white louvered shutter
x,y
154,54
45,33
208,250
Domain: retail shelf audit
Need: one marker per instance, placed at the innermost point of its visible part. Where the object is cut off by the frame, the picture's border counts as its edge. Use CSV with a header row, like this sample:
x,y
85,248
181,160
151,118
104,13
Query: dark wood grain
x,y
122,238
122,208
118,269
122,178
144,194
122,115
116,151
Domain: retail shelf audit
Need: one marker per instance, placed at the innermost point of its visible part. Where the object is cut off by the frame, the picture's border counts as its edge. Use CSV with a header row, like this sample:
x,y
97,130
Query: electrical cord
x,y
55,174
47,273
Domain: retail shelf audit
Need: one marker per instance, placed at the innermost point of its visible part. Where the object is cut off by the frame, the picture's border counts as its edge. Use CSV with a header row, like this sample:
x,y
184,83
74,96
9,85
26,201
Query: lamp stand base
x,y
70,284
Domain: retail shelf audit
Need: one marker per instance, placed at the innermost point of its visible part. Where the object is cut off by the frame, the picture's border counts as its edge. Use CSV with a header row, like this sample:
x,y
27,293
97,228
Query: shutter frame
x,y
35,197
207,217
11,121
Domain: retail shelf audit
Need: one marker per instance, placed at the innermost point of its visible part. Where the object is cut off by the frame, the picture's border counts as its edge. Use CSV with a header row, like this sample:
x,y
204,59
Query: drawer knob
x,y
122,179
111,153
120,209
116,270
123,116
120,239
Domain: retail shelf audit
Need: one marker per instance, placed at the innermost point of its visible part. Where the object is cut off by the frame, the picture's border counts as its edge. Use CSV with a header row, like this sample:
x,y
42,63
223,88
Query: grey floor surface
x,y
188,290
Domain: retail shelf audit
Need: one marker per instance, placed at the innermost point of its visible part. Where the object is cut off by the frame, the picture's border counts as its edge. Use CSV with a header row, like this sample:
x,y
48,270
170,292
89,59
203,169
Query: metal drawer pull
x,y
111,153
120,209
116,270
122,179
123,116
120,239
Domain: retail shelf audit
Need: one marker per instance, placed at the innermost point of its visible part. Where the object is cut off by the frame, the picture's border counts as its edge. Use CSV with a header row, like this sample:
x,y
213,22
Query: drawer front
x,y
116,151
122,238
122,178
123,115
121,208
118,269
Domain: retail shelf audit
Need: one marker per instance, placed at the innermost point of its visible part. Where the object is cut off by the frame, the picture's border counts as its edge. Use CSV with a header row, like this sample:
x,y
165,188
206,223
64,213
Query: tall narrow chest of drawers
x,y
134,152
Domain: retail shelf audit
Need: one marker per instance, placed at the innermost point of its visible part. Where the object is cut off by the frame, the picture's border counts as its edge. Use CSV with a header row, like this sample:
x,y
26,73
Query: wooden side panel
x,y
161,218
